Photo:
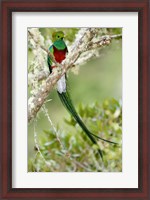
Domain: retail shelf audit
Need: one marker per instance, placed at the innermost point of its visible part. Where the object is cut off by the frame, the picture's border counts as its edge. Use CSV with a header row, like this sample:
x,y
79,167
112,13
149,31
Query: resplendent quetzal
x,y
59,50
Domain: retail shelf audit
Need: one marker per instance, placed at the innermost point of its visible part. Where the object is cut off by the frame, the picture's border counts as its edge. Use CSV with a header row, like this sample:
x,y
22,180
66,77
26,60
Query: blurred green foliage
x,y
77,153
96,91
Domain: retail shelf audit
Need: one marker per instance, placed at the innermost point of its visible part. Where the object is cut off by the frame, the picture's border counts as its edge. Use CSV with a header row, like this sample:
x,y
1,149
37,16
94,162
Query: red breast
x,y
59,55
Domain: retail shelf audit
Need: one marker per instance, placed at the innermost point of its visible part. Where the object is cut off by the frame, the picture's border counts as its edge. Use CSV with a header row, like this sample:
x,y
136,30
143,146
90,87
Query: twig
x,y
38,149
81,165
52,125
42,47
103,41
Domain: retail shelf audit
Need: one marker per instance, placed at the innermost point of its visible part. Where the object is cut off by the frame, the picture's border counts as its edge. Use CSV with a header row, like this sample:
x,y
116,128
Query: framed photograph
x,y
74,84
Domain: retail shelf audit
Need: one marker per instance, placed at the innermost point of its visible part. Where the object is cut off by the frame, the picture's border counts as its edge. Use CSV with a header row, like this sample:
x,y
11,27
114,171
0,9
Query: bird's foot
x,y
53,67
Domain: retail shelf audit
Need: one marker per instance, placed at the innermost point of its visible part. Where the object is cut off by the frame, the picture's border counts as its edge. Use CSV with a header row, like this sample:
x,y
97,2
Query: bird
x,y
59,50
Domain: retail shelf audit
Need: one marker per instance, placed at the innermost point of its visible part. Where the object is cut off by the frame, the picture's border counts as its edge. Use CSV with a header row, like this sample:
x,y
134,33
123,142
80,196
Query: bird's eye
x,y
58,36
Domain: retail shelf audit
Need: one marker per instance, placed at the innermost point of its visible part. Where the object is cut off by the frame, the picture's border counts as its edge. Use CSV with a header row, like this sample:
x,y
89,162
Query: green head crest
x,y
59,35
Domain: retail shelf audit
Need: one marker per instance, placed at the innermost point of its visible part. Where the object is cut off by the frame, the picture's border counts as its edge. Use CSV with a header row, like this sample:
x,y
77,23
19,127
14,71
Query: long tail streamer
x,y
67,102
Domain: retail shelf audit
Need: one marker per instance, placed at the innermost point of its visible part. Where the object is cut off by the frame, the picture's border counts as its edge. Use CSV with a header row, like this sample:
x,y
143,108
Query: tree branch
x,y
83,44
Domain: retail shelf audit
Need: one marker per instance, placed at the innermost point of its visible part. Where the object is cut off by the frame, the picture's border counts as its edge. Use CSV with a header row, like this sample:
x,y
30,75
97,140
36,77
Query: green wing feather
x,y
49,60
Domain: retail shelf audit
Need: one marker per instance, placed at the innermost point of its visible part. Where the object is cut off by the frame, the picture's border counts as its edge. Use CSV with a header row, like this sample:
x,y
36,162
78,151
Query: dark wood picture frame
x,y
10,6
